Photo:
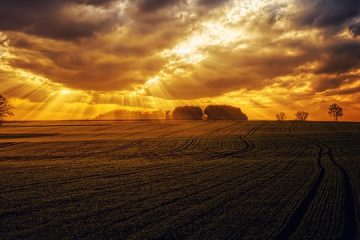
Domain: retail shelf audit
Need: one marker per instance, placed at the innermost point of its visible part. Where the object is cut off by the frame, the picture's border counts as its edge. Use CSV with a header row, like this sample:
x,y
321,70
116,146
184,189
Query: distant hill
x,y
123,114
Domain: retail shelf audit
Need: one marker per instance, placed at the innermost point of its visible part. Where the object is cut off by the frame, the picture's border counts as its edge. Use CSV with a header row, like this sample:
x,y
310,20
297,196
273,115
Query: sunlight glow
x,y
65,91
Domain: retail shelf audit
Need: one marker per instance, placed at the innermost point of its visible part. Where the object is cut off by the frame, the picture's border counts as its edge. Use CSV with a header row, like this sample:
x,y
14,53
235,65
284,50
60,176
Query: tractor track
x,y
293,223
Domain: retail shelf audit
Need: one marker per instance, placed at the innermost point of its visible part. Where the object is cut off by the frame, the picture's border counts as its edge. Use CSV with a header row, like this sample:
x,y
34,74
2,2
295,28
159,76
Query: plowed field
x,y
180,180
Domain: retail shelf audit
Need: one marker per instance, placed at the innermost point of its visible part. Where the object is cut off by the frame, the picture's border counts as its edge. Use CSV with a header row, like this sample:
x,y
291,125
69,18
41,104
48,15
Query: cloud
x,y
175,50
334,82
347,91
326,13
154,5
88,45
68,20
354,27
90,67
212,3
340,56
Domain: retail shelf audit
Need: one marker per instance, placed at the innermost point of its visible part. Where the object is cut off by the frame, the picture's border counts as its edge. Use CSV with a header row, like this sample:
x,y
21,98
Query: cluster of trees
x,y
224,112
187,113
211,112
335,112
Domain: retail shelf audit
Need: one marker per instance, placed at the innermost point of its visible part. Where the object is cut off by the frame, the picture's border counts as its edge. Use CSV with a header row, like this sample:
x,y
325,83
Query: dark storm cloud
x,y
340,57
354,28
330,83
50,18
211,3
326,13
55,19
154,5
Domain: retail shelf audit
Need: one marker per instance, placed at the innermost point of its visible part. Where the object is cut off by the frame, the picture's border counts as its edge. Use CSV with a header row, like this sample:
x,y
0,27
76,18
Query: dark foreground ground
x,y
180,180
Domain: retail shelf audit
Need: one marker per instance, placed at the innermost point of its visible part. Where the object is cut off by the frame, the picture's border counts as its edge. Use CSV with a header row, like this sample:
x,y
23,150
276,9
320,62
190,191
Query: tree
x,y
302,116
167,116
335,111
187,113
281,116
5,108
224,112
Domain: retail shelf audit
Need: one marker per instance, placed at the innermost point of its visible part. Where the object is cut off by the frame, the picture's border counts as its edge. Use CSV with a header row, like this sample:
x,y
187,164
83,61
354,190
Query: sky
x,y
76,59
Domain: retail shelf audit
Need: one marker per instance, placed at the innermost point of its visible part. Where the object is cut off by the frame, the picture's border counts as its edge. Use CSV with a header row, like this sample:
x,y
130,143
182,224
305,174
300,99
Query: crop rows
x,y
179,179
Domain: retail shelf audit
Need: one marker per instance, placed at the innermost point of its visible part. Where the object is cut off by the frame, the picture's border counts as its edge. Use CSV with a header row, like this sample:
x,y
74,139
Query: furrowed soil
x,y
180,180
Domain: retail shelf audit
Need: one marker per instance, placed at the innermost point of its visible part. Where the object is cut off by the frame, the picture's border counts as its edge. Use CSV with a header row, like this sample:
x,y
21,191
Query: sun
x,y
65,91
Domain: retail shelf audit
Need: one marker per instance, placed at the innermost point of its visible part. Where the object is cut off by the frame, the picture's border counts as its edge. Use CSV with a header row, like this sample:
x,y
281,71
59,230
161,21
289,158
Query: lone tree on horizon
x,y
302,116
281,116
5,109
335,111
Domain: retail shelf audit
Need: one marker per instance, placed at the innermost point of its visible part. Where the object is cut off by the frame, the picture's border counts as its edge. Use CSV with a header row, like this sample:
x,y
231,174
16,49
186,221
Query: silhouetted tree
x,y
281,116
187,113
224,112
5,108
335,111
302,116
167,117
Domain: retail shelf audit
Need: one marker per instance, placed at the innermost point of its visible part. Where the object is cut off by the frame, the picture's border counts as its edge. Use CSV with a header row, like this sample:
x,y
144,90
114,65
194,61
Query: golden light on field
x,y
262,56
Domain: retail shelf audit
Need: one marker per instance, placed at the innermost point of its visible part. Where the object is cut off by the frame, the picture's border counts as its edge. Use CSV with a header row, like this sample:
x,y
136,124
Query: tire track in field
x,y
57,183
60,201
109,175
298,215
63,150
216,210
231,203
101,175
250,146
148,210
189,142
192,194
350,229
250,132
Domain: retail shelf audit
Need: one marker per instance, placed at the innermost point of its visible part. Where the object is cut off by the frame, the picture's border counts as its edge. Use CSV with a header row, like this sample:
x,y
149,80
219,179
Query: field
x,y
180,179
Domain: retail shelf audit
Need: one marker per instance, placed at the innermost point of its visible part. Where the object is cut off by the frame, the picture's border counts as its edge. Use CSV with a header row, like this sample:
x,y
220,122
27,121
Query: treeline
x,y
123,114
211,112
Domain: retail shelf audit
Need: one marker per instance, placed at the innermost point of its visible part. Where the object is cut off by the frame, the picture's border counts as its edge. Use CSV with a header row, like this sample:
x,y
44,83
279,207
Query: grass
x,y
180,179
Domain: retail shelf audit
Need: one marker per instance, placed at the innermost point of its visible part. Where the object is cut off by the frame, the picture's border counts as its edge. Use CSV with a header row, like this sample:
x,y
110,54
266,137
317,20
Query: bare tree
x,y
5,109
302,116
335,111
281,116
